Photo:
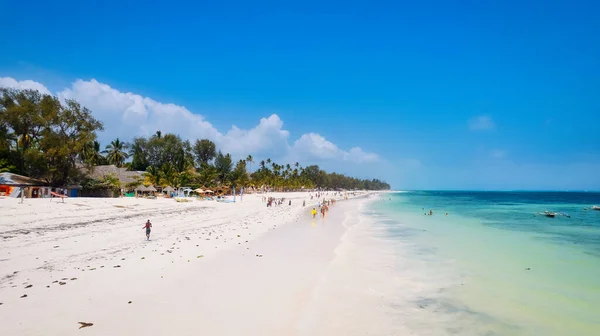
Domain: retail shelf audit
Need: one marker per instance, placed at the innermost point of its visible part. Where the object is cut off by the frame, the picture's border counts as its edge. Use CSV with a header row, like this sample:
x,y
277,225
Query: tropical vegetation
x,y
53,140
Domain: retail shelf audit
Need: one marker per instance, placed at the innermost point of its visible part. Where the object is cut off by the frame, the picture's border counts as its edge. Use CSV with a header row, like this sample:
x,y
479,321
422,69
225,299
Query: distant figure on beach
x,y
430,212
148,228
314,212
290,203
304,203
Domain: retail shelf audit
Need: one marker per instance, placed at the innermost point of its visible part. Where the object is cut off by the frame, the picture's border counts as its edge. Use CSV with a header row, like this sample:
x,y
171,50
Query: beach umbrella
x,y
168,189
199,191
209,191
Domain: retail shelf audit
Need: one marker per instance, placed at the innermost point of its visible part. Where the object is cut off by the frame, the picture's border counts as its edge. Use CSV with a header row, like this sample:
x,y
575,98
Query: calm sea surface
x,y
492,266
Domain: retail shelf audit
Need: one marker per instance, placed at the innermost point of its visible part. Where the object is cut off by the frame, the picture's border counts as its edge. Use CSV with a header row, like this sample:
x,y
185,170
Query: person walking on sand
x,y
148,227
314,212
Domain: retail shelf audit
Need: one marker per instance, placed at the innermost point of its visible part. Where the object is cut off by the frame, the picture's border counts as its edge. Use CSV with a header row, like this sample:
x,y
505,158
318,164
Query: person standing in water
x,y
314,212
148,227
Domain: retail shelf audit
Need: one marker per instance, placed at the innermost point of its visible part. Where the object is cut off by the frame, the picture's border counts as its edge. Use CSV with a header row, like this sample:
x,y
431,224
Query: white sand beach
x,y
210,268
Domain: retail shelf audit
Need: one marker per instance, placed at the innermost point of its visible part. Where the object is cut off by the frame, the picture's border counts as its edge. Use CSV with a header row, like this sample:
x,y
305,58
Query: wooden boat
x,y
595,207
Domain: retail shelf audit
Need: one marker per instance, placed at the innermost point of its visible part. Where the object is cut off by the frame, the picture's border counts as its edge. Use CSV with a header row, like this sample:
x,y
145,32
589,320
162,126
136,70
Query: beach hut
x,y
11,185
140,189
151,188
168,189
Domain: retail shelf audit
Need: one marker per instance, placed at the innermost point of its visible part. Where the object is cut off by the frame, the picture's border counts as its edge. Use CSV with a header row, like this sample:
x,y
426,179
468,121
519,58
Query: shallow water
x,y
491,267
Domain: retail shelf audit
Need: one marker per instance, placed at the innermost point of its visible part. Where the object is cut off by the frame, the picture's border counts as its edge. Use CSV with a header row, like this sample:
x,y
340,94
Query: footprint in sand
x,y
28,286
23,296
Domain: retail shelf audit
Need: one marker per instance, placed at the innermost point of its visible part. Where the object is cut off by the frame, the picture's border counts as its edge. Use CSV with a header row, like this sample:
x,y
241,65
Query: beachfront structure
x,y
13,184
125,176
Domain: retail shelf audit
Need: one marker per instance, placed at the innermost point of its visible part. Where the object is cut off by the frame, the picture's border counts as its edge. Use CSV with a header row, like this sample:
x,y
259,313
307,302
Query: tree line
x,y
44,138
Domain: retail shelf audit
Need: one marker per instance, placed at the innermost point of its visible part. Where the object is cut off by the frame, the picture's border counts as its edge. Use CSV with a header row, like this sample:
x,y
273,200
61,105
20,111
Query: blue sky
x,y
436,94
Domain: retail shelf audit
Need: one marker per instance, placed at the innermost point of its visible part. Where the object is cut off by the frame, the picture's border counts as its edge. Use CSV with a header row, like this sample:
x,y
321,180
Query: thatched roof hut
x,y
141,188
168,189
125,176
151,188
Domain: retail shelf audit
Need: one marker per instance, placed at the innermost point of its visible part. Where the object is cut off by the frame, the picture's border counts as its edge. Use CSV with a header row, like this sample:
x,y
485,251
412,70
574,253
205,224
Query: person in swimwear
x,y
314,212
148,227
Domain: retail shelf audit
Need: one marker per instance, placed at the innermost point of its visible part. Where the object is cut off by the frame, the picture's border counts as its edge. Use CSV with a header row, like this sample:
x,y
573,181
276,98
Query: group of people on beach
x,y
323,207
274,201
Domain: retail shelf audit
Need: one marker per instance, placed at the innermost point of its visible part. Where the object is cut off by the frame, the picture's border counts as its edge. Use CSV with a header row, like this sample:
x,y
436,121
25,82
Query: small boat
x,y
595,207
553,214
549,214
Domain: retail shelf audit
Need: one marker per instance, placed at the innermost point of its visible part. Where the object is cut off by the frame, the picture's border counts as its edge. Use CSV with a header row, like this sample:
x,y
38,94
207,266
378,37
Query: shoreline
x,y
207,262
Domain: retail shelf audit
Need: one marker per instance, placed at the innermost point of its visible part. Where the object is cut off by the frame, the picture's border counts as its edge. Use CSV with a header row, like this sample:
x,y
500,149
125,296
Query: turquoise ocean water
x,y
491,266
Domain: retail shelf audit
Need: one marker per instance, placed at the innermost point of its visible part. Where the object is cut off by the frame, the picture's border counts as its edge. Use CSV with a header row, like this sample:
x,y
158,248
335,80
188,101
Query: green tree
x,y
154,175
92,155
239,176
55,155
223,164
116,152
204,151
207,175
169,173
138,151
25,114
250,161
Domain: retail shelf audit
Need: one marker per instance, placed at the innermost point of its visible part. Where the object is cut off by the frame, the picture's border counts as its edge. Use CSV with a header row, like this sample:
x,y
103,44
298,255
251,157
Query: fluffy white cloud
x,y
316,146
22,85
127,114
481,123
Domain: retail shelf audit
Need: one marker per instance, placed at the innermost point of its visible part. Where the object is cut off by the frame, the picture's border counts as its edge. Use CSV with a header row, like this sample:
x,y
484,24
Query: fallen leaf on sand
x,y
85,324
23,296
29,286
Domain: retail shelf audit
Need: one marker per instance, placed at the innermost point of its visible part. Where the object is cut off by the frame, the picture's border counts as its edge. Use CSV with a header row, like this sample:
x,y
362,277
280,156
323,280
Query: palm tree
x,y
169,173
116,152
250,160
91,154
153,174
